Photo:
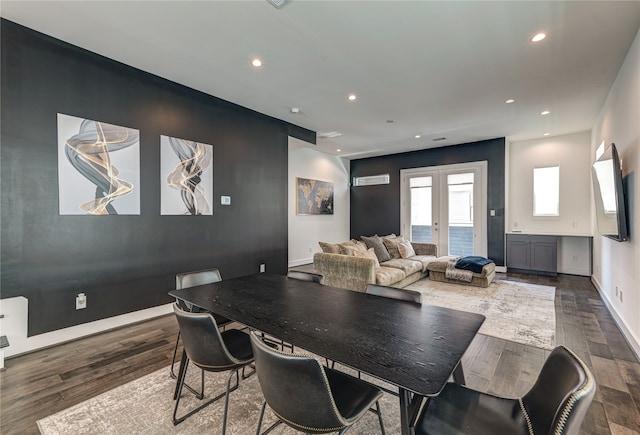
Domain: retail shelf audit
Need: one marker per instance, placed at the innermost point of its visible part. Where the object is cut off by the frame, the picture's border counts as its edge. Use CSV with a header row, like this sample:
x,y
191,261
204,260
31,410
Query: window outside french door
x,y
446,205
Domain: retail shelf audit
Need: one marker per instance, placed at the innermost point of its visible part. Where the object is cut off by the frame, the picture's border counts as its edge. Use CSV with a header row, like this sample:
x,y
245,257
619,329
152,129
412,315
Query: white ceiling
x,y
437,69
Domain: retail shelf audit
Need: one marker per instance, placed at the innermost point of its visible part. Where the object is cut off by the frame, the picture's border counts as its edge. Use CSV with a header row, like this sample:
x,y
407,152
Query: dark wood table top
x,y
411,346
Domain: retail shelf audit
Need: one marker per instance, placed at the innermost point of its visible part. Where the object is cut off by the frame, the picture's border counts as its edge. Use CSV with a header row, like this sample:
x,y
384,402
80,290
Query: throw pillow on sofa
x,y
329,248
391,243
406,250
375,242
369,253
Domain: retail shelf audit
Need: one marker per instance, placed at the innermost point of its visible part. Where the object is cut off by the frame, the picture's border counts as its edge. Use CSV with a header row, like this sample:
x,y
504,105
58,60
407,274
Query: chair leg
x,y
380,417
178,420
264,405
226,400
173,361
272,427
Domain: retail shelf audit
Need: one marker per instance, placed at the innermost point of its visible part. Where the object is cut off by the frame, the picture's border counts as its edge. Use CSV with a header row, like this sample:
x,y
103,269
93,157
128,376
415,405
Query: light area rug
x,y
145,406
514,311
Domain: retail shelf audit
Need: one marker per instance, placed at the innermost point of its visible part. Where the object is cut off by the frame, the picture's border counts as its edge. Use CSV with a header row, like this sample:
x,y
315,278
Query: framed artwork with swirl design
x,y
98,168
186,171
314,196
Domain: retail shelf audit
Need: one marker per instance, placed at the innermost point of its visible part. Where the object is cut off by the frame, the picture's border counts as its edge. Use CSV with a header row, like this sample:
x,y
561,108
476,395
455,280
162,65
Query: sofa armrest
x,y
344,271
425,248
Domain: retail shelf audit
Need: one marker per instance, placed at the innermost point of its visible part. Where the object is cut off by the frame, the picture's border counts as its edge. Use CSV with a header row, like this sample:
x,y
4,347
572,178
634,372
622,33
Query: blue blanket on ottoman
x,y
473,263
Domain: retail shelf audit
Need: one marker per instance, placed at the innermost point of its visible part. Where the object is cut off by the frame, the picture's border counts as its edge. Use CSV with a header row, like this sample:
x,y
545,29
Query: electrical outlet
x,y
621,296
263,268
81,301
617,292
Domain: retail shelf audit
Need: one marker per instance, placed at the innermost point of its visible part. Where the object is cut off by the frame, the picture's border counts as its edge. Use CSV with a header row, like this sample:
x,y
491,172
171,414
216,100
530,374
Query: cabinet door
x,y
543,257
518,254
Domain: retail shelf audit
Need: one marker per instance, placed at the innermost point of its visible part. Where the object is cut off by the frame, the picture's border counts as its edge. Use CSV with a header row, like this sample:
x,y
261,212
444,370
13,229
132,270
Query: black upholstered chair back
x,y
306,276
394,293
296,388
199,277
202,341
558,401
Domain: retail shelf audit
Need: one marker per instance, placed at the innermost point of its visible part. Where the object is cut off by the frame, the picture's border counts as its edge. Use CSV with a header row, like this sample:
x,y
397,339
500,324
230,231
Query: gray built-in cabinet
x,y
532,253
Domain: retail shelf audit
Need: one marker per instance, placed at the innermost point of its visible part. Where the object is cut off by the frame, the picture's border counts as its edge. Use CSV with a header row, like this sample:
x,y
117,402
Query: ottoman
x,y
437,273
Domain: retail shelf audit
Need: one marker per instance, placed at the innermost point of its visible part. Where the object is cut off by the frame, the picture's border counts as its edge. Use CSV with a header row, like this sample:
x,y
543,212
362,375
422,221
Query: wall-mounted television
x,y
609,198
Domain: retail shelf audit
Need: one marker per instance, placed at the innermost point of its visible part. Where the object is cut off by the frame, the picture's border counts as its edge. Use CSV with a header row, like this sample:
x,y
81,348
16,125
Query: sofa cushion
x,y
329,248
375,242
389,275
408,266
369,253
425,260
406,250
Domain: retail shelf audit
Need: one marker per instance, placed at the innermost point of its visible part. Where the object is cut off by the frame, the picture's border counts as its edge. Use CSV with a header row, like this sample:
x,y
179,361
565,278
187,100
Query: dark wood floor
x,y
47,381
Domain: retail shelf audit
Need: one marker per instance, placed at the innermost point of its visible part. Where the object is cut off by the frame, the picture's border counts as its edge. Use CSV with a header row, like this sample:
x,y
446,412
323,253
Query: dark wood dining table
x,y
414,347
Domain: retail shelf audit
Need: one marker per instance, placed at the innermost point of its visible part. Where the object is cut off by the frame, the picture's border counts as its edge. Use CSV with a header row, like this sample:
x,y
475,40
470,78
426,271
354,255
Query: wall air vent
x,y
371,180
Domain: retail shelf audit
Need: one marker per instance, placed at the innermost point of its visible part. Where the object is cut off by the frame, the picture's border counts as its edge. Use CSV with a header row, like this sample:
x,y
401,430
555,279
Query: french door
x,y
446,205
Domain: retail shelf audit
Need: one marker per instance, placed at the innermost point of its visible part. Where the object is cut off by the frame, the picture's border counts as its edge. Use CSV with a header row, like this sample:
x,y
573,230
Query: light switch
x,y
225,200
492,212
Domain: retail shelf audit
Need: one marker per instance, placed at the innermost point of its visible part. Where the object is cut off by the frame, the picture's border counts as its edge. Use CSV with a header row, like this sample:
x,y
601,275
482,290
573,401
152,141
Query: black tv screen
x,y
609,196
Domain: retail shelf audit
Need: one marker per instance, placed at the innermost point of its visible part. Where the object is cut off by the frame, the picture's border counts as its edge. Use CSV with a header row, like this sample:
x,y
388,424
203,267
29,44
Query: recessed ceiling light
x,y
294,110
546,134
338,150
539,37
417,136
545,112
352,97
256,62
509,101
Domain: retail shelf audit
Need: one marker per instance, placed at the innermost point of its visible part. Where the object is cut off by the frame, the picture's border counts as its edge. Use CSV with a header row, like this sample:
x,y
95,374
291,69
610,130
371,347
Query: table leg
x,y
458,374
404,412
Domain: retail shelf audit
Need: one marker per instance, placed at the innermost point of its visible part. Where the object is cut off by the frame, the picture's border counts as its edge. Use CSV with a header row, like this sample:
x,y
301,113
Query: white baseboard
x,y
19,343
626,333
502,269
303,261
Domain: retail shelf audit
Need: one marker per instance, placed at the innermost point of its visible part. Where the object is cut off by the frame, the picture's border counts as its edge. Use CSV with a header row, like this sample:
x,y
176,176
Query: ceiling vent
x,y
278,4
329,135
437,139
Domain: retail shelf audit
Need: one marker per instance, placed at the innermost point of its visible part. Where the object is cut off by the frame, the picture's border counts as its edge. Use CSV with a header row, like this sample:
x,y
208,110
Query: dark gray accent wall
x,y
376,209
125,263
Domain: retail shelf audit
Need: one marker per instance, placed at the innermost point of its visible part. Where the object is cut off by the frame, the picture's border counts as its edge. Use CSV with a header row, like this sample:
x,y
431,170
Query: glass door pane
x,y
460,211
421,203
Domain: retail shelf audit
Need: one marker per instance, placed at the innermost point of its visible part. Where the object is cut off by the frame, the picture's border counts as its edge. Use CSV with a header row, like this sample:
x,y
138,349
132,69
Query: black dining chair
x,y
394,293
305,276
211,350
192,279
307,396
556,404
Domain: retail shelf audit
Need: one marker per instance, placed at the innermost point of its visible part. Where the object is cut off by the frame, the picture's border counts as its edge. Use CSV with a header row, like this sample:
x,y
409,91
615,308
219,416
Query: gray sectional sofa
x,y
354,264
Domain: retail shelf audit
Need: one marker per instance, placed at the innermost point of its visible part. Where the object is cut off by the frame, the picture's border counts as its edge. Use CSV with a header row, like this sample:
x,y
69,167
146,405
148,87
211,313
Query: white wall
x,y
571,153
617,264
306,231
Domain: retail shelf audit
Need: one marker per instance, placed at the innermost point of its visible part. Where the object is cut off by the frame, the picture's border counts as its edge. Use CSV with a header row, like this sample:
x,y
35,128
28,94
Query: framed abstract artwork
x,y
98,168
186,171
314,196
